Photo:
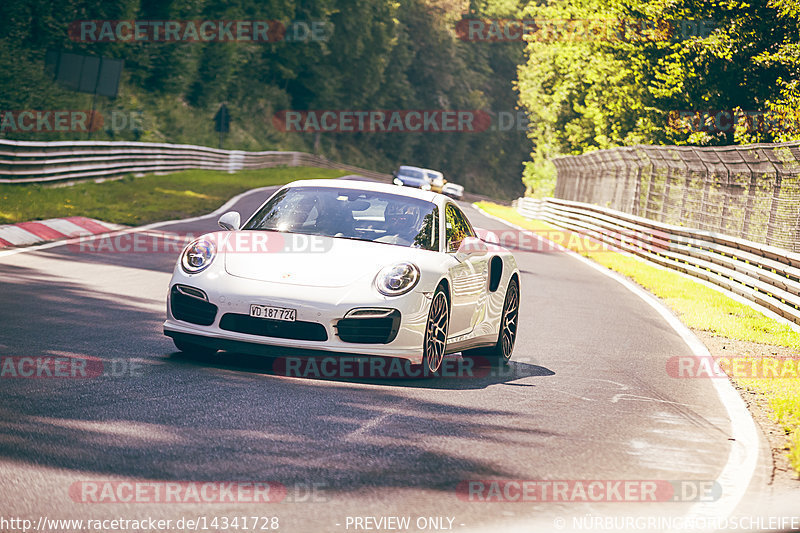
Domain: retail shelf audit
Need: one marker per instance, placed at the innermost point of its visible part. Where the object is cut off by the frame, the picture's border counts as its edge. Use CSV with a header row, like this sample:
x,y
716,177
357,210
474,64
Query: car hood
x,y
313,260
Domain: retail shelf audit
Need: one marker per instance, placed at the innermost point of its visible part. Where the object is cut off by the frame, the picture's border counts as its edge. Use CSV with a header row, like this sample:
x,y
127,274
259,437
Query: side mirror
x,y
471,247
230,221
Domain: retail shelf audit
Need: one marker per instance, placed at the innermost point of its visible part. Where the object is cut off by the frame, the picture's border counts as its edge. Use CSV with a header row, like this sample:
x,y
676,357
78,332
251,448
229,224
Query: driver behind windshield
x,y
402,223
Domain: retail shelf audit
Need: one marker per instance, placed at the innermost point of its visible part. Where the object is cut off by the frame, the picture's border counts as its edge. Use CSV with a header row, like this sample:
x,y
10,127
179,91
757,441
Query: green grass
x,y
700,308
136,201
784,399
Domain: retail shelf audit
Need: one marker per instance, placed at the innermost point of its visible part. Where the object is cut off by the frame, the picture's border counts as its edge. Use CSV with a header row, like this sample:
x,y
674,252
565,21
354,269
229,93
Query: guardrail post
x,y
726,187
702,219
773,208
637,191
651,185
235,161
574,184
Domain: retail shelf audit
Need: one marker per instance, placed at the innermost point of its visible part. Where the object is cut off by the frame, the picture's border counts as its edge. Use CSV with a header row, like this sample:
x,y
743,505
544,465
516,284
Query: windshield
x,y
351,214
410,173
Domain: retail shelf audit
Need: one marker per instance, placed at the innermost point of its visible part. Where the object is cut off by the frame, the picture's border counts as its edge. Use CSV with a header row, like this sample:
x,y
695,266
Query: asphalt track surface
x,y
586,397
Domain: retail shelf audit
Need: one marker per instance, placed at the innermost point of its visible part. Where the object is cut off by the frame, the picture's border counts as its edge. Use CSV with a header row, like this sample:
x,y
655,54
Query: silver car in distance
x,y
347,266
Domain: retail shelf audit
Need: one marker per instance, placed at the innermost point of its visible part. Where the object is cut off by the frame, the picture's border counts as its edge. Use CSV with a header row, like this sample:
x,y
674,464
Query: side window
x,y
456,227
428,236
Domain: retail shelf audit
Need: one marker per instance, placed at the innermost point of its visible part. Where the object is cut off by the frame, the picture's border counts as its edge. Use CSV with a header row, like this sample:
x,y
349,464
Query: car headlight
x,y
197,256
397,279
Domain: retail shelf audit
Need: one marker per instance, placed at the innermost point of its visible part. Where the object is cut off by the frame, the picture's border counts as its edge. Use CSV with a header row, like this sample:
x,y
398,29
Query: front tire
x,y
193,349
433,347
500,353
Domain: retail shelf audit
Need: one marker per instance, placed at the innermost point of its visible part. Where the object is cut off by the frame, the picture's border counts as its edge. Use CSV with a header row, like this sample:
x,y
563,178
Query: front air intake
x,y
369,326
191,305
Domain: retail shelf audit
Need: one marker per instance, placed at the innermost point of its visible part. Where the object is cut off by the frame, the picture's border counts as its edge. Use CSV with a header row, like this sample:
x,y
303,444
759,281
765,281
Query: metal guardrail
x,y
43,162
766,275
37,162
750,191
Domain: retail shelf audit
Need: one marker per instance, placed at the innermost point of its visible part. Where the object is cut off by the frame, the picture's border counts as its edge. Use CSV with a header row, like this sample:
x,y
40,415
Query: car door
x,y
468,275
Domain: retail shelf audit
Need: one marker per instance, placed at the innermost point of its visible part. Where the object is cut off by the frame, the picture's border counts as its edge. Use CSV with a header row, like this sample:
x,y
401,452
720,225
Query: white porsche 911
x,y
347,266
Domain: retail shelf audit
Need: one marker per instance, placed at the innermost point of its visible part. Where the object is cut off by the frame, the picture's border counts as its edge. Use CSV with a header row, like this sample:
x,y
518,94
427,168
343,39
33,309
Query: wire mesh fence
x,y
751,192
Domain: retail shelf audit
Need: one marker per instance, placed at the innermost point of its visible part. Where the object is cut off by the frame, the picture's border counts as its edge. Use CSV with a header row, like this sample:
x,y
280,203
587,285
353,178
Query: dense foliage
x,y
693,60
377,55
593,74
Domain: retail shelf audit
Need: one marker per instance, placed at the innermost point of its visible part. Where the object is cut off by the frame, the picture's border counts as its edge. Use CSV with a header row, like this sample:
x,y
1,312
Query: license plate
x,y
273,313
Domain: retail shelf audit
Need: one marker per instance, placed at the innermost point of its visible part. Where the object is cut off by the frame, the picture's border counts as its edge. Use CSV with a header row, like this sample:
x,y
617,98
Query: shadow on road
x,y
174,417
457,373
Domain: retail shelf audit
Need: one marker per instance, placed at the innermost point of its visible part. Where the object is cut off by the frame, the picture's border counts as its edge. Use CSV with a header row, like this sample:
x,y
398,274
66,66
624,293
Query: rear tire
x,y
500,353
193,349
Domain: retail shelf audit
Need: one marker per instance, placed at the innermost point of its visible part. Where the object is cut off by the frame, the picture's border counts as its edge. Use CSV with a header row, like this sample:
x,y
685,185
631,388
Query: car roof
x,y
370,186
421,169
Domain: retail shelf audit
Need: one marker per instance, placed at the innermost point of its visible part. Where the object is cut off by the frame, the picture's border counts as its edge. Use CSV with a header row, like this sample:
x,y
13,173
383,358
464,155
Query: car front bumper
x,y
314,314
